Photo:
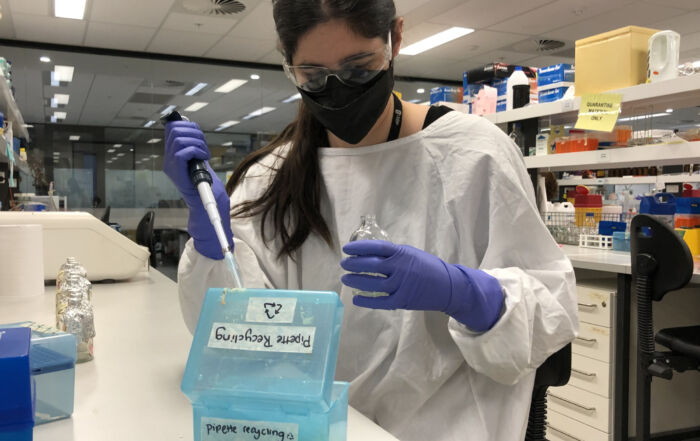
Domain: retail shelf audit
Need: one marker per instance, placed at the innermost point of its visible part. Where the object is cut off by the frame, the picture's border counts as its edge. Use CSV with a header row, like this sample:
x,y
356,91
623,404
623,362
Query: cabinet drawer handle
x,y
585,374
568,435
587,305
586,340
580,406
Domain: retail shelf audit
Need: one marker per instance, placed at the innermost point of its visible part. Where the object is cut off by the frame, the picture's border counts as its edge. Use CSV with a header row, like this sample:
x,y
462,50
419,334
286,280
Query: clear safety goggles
x,y
356,72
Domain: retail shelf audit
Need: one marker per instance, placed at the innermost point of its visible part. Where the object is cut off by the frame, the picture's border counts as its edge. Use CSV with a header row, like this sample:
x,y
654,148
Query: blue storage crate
x,y
265,360
53,354
17,393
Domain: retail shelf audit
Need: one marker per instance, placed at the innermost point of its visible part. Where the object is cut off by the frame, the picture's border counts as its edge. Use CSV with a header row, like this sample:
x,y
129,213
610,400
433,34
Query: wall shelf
x,y
9,108
679,92
657,154
659,181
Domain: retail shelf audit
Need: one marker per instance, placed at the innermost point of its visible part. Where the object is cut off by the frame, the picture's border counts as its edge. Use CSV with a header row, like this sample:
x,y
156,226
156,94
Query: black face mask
x,y
351,112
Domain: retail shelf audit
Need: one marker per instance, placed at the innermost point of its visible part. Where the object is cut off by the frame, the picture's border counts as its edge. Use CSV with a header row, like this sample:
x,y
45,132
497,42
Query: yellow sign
x,y
599,112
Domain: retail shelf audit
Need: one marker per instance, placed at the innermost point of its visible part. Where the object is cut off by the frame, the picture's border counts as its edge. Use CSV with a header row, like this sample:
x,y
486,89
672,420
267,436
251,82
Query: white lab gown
x,y
459,190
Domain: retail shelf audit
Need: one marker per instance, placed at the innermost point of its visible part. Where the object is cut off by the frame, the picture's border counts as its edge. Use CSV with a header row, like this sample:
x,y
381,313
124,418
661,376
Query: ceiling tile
x,y
556,15
429,10
403,7
198,23
258,23
33,7
479,14
111,36
687,23
642,14
49,29
272,57
691,5
241,49
546,60
182,43
148,13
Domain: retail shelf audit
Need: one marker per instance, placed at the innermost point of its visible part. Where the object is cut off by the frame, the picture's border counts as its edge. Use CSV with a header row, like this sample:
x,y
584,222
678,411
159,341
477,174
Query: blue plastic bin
x,y
265,360
16,386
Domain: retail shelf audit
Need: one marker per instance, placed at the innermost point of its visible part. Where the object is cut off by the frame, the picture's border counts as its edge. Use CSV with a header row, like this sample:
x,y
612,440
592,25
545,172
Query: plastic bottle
x,y
517,78
369,230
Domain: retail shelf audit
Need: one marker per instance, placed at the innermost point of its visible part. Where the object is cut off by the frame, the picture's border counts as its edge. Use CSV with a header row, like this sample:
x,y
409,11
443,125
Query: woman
x,y
479,294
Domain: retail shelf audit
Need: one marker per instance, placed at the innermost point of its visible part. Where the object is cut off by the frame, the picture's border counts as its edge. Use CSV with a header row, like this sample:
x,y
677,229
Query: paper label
x,y
599,111
271,310
219,429
266,338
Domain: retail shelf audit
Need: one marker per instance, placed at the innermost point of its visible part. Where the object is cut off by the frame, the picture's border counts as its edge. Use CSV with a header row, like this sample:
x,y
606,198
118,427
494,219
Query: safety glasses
x,y
357,71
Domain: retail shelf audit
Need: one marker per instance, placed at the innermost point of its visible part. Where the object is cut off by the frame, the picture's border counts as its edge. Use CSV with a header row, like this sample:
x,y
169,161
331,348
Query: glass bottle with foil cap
x,y
369,230
71,266
75,315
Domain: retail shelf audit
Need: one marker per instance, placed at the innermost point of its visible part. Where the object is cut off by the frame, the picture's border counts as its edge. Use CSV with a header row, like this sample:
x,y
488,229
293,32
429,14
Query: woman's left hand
x,y
417,280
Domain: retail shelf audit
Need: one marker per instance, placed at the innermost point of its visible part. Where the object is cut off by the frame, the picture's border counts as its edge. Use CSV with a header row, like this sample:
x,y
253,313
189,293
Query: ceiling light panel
x,y
196,89
196,106
74,9
230,86
436,40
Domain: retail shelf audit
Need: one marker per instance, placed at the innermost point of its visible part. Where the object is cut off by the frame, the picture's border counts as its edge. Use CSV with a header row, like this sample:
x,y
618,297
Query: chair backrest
x,y
105,215
556,370
659,252
144,231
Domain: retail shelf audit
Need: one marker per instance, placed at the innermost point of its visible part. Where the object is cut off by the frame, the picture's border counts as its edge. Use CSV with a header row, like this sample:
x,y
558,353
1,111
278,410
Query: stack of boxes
x,y
554,81
495,75
446,94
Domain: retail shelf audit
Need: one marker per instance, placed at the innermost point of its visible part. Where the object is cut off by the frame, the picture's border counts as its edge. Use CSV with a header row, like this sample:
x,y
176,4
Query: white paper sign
x,y
266,338
219,429
271,310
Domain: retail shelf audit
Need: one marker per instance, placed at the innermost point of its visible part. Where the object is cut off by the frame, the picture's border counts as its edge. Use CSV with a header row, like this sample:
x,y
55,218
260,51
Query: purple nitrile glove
x,y
184,141
417,280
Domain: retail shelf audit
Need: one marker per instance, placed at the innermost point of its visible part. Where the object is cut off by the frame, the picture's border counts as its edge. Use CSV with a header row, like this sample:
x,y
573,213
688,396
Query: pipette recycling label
x,y
220,429
265,338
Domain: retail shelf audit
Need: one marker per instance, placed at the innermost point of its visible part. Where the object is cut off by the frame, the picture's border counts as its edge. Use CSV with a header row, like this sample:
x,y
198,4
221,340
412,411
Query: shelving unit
x,y
657,154
8,106
679,92
659,181
21,164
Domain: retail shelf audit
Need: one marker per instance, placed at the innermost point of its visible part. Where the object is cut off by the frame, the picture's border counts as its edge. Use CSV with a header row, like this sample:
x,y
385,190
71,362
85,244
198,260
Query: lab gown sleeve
x,y
256,260
537,279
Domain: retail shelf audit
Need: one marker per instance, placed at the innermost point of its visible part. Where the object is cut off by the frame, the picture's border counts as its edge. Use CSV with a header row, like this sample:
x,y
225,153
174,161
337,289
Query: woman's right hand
x,y
185,141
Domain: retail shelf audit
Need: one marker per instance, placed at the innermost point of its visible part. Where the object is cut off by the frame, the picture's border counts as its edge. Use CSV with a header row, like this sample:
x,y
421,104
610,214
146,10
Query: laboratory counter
x,y
131,390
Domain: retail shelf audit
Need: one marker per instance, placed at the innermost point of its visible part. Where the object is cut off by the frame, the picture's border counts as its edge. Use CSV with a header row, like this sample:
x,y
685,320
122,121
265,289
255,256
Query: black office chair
x,y
555,371
661,262
105,215
144,235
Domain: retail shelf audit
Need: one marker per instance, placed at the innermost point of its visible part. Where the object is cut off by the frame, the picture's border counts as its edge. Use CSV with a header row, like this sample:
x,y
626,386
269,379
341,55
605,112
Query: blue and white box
x,y
558,73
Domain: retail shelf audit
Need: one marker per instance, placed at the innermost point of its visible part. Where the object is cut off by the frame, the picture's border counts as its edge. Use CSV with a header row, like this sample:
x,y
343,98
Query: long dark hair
x,y
292,202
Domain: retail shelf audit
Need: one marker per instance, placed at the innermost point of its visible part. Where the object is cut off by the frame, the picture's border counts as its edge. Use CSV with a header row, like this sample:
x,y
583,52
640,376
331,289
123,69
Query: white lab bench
x,y
131,390
599,401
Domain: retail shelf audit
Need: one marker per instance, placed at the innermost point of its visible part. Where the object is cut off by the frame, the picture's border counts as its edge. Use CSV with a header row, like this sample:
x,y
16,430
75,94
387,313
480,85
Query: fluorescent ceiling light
x,y
420,90
435,40
60,115
74,138
59,99
62,74
255,77
229,163
168,109
196,89
74,9
117,146
111,151
226,125
120,154
153,141
696,64
230,86
292,98
45,59
259,112
414,101
149,124
155,156
196,106
27,126
669,110
227,144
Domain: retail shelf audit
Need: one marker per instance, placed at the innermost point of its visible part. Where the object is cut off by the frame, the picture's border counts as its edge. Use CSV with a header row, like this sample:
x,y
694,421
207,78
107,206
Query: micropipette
x,y
201,179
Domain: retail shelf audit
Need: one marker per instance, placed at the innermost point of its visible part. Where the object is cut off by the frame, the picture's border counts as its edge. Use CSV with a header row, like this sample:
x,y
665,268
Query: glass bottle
x,y
369,230
75,315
